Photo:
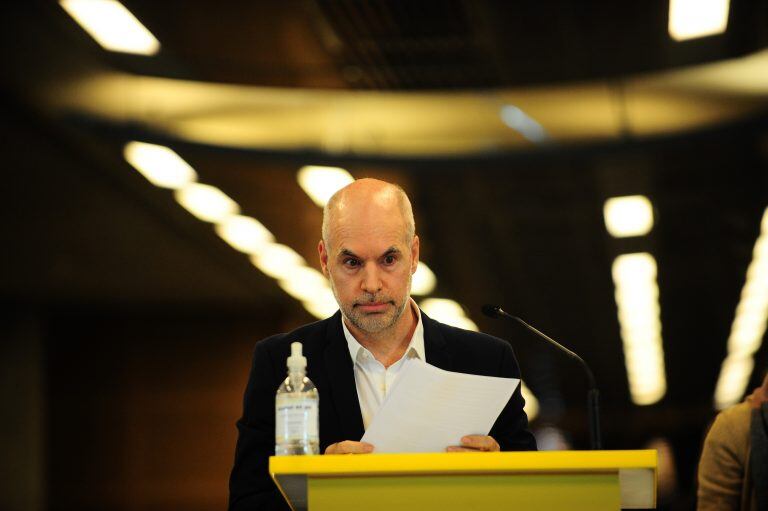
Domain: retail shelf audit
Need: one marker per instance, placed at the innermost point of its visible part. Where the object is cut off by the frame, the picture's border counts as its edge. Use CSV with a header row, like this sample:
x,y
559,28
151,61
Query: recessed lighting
x,y
113,26
628,216
244,233
277,260
448,312
637,294
424,280
748,328
320,183
159,164
206,202
689,19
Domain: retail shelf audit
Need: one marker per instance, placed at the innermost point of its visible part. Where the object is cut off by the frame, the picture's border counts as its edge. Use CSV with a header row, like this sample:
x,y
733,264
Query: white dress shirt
x,y
372,379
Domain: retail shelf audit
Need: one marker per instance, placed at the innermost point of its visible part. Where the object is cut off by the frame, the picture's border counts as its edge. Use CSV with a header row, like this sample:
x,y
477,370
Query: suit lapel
x,y
342,381
436,349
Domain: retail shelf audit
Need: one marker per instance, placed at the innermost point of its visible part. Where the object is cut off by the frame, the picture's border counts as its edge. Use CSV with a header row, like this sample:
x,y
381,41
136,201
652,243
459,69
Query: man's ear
x,y
414,254
323,257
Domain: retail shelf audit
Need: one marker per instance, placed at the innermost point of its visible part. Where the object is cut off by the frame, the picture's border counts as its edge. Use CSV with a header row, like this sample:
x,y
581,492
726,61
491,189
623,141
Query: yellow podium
x,y
524,481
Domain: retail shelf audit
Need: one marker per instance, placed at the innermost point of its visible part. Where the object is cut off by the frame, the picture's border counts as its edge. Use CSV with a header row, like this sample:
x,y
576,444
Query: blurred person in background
x,y
733,470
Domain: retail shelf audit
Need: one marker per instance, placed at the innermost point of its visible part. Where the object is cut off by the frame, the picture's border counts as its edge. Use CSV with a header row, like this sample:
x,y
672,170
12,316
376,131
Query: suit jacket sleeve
x,y
511,428
250,487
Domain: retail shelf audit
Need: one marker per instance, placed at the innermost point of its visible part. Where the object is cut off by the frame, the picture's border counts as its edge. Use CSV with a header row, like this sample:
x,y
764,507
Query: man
x,y
733,470
369,252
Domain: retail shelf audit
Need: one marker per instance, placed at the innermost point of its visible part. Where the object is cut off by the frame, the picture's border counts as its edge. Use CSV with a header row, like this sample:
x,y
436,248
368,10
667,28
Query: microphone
x,y
593,408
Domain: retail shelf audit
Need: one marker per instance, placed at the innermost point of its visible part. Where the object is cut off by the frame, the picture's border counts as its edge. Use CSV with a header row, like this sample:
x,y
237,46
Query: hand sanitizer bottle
x,y
296,407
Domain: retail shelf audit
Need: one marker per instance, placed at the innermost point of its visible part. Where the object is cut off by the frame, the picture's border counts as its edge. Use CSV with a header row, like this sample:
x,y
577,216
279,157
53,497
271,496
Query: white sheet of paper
x,y
429,409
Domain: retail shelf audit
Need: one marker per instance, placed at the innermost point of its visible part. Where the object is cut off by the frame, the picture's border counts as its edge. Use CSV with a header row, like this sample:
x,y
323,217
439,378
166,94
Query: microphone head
x,y
492,311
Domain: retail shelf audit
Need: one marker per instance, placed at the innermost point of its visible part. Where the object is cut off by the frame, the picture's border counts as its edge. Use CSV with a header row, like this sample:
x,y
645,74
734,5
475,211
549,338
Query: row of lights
x,y
748,328
637,300
166,169
115,28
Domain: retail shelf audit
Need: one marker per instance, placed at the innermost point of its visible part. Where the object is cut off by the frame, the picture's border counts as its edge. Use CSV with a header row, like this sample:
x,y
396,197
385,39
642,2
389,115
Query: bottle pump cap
x,y
297,361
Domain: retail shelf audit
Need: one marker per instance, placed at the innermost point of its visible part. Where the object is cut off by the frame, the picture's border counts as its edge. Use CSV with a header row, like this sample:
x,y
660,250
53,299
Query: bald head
x,y
368,198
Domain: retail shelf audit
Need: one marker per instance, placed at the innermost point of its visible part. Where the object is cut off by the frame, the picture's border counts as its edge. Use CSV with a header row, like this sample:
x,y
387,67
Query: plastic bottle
x,y
296,409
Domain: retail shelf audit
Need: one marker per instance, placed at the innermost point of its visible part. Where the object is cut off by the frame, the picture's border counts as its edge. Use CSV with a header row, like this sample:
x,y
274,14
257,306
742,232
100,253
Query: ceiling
x,y
248,92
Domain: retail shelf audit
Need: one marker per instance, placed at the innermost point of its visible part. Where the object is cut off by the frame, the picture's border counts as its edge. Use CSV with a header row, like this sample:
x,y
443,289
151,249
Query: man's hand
x,y
349,447
760,395
475,443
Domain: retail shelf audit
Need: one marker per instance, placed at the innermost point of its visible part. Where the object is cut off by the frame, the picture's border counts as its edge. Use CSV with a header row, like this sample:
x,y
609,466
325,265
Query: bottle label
x,y
296,418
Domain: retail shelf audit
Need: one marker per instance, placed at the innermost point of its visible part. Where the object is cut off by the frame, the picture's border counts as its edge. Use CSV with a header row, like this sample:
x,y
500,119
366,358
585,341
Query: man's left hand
x,y
475,443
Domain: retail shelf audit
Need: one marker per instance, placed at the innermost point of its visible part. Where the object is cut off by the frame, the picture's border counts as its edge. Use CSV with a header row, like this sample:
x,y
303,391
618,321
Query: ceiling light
x,y
304,283
112,26
206,202
322,305
689,19
748,328
636,293
628,216
531,403
244,233
320,183
448,312
521,122
277,260
424,280
159,164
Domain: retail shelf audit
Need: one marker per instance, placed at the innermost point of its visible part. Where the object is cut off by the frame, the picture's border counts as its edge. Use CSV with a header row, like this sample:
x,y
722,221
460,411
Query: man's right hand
x,y
349,447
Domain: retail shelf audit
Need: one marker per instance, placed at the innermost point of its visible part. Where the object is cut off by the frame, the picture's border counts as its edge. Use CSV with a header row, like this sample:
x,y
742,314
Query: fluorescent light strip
x,y
628,216
206,202
448,312
159,164
690,19
748,328
637,294
113,26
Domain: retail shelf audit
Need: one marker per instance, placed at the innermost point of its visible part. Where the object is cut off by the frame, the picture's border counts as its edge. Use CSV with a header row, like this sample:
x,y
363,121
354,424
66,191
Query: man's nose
x,y
371,282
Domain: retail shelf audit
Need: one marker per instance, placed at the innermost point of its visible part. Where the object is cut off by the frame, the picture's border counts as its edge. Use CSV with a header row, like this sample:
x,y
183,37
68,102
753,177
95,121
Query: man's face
x,y
369,263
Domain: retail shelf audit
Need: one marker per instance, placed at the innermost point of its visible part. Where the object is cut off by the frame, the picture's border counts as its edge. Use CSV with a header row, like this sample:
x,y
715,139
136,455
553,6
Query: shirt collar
x,y
415,347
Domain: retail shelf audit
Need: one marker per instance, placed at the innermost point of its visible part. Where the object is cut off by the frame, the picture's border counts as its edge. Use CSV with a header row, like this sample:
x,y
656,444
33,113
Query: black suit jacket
x,y
330,367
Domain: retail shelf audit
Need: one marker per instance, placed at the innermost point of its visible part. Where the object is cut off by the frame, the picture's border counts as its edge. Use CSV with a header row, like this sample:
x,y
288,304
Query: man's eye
x,y
390,259
352,263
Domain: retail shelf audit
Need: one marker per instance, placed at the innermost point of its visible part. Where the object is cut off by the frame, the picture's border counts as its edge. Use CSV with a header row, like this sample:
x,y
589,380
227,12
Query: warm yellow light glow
x,y
424,280
689,19
628,216
276,260
448,312
244,233
304,283
636,293
531,403
320,183
159,164
206,202
322,305
113,26
748,328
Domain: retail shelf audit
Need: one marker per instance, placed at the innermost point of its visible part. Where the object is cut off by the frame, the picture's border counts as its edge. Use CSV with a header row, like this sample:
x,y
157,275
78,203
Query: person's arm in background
x,y
725,453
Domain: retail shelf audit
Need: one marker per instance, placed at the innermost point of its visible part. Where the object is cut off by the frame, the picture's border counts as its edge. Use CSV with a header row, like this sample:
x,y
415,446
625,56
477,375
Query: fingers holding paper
x,y
475,443
349,447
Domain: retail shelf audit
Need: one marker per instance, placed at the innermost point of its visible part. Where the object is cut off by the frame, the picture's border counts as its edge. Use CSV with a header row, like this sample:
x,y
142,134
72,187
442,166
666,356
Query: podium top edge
x,y
488,462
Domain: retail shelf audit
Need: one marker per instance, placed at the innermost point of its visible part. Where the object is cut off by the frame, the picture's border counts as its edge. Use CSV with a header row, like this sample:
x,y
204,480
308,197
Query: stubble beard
x,y
372,323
